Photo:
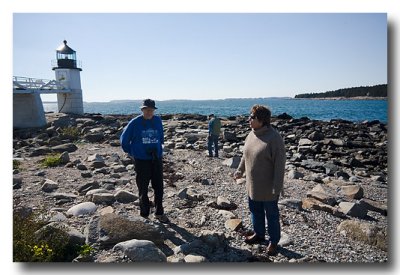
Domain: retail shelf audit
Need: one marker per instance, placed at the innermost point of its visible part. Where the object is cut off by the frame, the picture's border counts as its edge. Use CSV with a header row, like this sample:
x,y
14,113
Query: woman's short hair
x,y
262,113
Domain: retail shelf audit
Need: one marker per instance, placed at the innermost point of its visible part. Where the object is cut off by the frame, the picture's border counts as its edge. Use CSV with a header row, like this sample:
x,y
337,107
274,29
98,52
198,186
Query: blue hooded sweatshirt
x,y
142,136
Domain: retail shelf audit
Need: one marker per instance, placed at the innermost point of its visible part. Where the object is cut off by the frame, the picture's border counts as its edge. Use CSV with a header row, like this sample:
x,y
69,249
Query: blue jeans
x,y
213,140
266,209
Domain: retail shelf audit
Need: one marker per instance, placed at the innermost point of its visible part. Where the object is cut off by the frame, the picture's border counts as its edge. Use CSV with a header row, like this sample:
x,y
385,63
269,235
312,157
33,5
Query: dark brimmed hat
x,y
148,103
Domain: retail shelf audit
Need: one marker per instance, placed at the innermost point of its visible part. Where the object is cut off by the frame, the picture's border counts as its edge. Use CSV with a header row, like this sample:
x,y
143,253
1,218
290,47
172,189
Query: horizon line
x,y
184,99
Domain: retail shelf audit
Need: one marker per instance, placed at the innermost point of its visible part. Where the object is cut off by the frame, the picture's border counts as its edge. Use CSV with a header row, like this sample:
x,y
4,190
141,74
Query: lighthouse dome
x,y
66,58
65,49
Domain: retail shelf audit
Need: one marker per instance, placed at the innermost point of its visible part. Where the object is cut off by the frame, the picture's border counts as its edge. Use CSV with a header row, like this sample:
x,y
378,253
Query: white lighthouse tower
x,y
68,73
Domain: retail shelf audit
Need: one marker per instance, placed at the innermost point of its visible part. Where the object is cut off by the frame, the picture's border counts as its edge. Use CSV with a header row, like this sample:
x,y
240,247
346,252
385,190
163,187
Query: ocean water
x,y
353,110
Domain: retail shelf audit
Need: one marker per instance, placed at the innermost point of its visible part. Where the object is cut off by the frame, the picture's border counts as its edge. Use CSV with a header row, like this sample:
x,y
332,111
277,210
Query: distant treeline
x,y
370,91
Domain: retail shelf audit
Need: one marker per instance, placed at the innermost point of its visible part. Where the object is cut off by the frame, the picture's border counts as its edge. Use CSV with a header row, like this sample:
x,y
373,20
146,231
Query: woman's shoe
x,y
272,249
253,239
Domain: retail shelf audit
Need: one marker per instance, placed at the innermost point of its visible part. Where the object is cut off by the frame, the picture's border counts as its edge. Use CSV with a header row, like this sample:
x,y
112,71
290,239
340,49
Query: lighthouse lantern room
x,y
68,73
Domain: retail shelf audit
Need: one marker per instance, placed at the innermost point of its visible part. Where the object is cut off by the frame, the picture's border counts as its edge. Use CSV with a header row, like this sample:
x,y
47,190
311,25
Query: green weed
x,y
72,133
35,242
51,161
16,164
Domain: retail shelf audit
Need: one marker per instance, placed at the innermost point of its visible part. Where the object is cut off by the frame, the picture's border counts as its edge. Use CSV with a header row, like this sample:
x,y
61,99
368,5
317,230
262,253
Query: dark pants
x,y
213,141
266,209
146,171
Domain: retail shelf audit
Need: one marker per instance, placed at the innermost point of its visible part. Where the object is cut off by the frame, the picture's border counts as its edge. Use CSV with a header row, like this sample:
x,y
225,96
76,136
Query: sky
x,y
205,55
245,56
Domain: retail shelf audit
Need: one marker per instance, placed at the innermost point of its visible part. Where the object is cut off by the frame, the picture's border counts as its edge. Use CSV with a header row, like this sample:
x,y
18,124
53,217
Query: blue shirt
x,y
142,136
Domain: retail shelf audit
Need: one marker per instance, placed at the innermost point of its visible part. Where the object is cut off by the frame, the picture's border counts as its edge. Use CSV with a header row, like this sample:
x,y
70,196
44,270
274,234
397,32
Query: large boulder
x,y
82,209
68,147
364,232
141,251
323,194
110,229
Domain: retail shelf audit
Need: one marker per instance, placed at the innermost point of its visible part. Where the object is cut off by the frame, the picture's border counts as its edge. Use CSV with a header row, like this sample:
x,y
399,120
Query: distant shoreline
x,y
346,98
286,98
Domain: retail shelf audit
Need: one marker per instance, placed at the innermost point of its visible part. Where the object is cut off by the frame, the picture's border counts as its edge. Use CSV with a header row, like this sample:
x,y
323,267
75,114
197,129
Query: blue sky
x,y
206,55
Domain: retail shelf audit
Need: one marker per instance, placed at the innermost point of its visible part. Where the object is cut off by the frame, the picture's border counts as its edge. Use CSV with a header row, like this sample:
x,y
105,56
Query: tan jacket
x,y
263,161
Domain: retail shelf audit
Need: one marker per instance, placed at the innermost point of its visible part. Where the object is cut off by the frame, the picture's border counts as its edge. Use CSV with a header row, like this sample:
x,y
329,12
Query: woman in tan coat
x,y
263,162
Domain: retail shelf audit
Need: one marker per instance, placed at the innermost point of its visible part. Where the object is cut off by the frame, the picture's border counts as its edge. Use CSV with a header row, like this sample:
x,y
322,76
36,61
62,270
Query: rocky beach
x,y
333,207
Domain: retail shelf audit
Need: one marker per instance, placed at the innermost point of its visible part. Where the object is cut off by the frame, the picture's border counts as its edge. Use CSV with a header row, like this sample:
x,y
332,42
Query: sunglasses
x,y
252,117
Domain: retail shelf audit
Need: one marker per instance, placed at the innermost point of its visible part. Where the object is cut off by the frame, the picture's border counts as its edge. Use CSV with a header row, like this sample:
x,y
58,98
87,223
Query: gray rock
x,y
64,158
69,147
44,150
213,239
86,174
337,142
331,169
192,258
95,157
323,194
232,162
90,193
64,196
379,207
194,246
352,191
17,182
353,209
40,173
81,166
193,195
83,208
230,136
291,203
293,174
103,170
119,168
141,251
305,142
226,214
110,229
96,137
103,198
49,186
58,217
316,136
224,203
74,236
88,186
233,224
124,196
182,194
364,232
285,240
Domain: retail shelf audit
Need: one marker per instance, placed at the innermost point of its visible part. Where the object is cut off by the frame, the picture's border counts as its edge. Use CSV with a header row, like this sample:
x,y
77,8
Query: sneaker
x,y
162,218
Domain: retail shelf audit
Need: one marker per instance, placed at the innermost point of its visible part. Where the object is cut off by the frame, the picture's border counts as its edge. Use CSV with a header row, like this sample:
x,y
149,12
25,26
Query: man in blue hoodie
x,y
142,139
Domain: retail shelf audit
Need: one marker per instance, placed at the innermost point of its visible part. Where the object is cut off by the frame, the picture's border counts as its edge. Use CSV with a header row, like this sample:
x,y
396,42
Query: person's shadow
x,y
289,253
172,231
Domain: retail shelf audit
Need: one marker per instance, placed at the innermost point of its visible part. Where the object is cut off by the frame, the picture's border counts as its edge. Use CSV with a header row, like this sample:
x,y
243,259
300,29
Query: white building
x,y
27,105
